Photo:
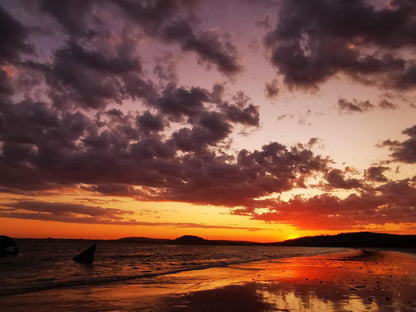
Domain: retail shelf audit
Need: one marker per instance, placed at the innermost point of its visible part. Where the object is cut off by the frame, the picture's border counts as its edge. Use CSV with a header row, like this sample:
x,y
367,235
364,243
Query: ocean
x,y
45,264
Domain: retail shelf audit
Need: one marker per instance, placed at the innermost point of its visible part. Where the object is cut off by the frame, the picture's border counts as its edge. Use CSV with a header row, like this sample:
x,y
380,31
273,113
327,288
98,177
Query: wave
x,y
100,280
51,284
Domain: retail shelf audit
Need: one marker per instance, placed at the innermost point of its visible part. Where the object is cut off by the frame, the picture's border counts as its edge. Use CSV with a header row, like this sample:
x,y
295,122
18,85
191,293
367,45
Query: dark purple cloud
x,y
314,41
247,115
336,179
152,149
240,109
210,129
97,61
99,66
375,173
12,38
148,122
111,152
180,101
61,149
6,87
404,151
222,181
164,20
92,79
207,45
71,14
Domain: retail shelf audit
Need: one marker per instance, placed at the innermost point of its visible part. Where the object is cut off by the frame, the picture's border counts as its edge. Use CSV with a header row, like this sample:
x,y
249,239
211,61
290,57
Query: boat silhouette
x,y
87,256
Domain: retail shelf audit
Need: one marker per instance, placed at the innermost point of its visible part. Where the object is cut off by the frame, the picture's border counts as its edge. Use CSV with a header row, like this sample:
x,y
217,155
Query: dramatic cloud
x,y
392,202
336,179
375,173
207,45
241,110
314,41
70,14
164,20
147,122
6,87
180,101
148,100
93,79
211,129
404,151
12,37
57,149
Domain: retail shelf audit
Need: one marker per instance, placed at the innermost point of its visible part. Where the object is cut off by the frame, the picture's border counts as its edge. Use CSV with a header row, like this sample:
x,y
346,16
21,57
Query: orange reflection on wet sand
x,y
354,281
351,281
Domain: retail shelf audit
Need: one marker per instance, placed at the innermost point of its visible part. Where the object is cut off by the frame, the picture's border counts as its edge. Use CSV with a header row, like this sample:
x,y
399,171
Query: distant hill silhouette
x,y
190,239
359,239
183,240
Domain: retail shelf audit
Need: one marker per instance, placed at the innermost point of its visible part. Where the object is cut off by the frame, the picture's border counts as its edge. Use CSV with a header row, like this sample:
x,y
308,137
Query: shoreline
x,y
357,280
354,280
103,281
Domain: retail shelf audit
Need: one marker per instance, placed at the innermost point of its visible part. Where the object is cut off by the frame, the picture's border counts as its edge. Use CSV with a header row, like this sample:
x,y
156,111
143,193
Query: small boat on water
x,y
8,246
87,256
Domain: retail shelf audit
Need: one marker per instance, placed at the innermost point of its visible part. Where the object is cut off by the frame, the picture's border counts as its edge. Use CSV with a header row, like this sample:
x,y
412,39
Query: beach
x,y
353,280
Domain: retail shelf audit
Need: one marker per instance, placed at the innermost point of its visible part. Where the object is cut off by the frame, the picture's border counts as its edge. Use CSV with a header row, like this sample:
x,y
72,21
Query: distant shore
x,y
355,280
353,240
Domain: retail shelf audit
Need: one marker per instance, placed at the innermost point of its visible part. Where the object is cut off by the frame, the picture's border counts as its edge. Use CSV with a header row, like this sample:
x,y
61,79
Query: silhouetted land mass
x,y
184,240
190,239
360,239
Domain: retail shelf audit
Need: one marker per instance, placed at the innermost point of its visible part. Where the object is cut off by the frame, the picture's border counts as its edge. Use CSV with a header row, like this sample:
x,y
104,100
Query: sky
x,y
246,120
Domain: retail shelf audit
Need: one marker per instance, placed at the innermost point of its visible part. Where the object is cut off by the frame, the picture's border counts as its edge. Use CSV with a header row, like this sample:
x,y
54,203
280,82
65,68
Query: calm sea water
x,y
47,264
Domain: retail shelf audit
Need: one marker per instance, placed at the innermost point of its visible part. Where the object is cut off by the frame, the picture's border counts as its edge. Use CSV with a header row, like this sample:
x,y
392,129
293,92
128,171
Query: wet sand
x,y
352,281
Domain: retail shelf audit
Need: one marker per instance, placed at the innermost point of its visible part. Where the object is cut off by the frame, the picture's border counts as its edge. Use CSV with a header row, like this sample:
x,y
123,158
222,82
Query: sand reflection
x,y
368,281
351,281
354,281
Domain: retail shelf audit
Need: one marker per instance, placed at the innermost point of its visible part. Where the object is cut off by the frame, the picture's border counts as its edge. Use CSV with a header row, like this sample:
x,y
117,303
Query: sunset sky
x,y
249,120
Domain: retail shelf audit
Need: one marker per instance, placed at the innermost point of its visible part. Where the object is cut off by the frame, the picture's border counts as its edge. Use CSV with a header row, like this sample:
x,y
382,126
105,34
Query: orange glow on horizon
x,y
169,220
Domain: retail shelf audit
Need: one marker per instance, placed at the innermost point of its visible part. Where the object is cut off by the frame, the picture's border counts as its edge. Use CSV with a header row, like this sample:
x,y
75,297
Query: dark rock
x,y
8,246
